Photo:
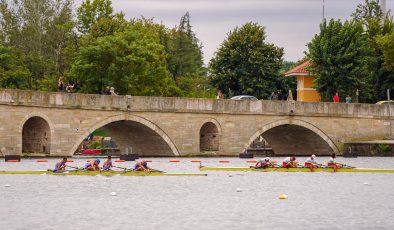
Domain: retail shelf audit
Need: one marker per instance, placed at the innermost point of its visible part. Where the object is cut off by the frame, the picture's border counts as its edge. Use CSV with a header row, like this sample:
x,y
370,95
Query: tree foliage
x,y
339,54
40,31
132,61
376,24
13,73
246,64
387,45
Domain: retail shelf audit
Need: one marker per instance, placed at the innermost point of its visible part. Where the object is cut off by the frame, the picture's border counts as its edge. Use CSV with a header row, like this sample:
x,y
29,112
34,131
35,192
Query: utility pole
x,y
323,11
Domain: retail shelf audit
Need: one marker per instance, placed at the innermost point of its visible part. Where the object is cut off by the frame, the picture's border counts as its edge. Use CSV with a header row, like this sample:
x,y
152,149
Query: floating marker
x,y
113,193
239,190
230,175
366,183
283,197
7,185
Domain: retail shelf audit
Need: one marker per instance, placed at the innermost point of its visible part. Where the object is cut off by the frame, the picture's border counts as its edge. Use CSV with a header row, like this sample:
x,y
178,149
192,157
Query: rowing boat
x,y
351,170
103,173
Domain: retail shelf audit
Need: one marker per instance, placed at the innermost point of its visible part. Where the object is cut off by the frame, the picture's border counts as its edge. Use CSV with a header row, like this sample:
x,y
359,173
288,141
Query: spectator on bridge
x,y
219,95
70,86
348,99
107,91
336,98
60,84
112,91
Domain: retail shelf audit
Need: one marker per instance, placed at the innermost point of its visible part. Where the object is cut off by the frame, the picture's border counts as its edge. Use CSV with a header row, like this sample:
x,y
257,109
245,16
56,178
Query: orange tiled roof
x,y
299,70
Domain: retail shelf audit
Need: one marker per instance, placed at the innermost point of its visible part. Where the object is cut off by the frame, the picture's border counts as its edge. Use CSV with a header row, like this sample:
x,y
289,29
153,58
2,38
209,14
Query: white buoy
x,y
113,193
239,190
7,185
230,175
366,183
283,196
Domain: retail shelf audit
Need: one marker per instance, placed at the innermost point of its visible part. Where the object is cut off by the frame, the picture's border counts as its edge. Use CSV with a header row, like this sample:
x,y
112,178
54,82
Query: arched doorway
x,y
209,137
36,136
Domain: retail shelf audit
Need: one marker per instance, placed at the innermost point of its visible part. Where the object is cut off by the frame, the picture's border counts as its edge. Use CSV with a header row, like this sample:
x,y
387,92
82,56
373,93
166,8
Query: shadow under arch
x,y
36,133
294,122
209,135
124,117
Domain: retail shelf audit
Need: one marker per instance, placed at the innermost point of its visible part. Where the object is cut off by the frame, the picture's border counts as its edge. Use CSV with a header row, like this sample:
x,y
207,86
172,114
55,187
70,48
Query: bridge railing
x,y
196,105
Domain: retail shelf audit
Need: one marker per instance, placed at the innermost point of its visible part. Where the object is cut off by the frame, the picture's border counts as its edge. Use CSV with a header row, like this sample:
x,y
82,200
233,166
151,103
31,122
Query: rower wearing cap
x,y
107,165
93,165
311,162
289,162
265,163
141,166
61,165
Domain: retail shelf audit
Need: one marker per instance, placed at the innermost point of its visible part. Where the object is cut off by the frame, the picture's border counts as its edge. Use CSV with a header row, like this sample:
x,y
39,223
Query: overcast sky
x,y
290,24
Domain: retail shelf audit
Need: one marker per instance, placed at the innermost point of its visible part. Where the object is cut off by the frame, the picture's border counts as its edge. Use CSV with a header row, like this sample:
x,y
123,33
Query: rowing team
x,y
290,162
94,165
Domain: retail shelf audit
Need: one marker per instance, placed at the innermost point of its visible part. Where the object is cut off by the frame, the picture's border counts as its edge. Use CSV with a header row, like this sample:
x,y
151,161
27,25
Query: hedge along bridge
x,y
56,124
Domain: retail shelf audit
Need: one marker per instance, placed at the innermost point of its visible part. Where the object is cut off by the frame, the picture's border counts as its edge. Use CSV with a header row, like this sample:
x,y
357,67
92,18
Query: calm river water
x,y
315,200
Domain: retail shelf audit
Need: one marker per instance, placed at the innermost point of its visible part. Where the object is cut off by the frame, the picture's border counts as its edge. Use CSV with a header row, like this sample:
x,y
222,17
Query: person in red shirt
x,y
336,98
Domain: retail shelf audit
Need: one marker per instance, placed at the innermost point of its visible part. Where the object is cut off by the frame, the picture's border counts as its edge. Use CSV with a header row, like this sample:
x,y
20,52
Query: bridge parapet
x,y
195,105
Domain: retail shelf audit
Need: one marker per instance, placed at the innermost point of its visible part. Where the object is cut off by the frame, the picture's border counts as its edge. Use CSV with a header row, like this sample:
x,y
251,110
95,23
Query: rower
x,y
93,165
265,163
107,165
289,162
141,166
61,165
311,162
332,163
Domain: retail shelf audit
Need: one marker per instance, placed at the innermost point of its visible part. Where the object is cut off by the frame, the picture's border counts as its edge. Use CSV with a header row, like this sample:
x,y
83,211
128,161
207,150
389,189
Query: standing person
x,y
60,84
93,165
289,162
141,166
336,98
219,95
107,165
348,99
60,165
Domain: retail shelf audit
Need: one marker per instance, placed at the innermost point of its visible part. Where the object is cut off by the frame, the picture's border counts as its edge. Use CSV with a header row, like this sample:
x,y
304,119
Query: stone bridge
x,y
55,124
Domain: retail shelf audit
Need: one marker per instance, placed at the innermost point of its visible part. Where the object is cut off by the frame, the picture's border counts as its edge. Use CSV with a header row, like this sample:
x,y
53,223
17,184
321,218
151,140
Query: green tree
x,y
131,61
339,54
376,24
246,64
91,12
40,30
13,74
387,45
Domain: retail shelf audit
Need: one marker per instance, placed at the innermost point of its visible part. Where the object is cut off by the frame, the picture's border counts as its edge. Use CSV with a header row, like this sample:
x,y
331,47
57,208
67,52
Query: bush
x,y
95,145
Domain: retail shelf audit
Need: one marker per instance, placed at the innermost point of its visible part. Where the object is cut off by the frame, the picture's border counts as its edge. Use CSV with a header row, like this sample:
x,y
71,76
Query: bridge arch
x,y
296,123
209,135
126,117
36,129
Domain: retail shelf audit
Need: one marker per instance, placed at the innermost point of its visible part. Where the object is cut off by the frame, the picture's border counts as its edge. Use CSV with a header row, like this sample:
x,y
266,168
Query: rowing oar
x,y
346,166
321,165
125,169
76,168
